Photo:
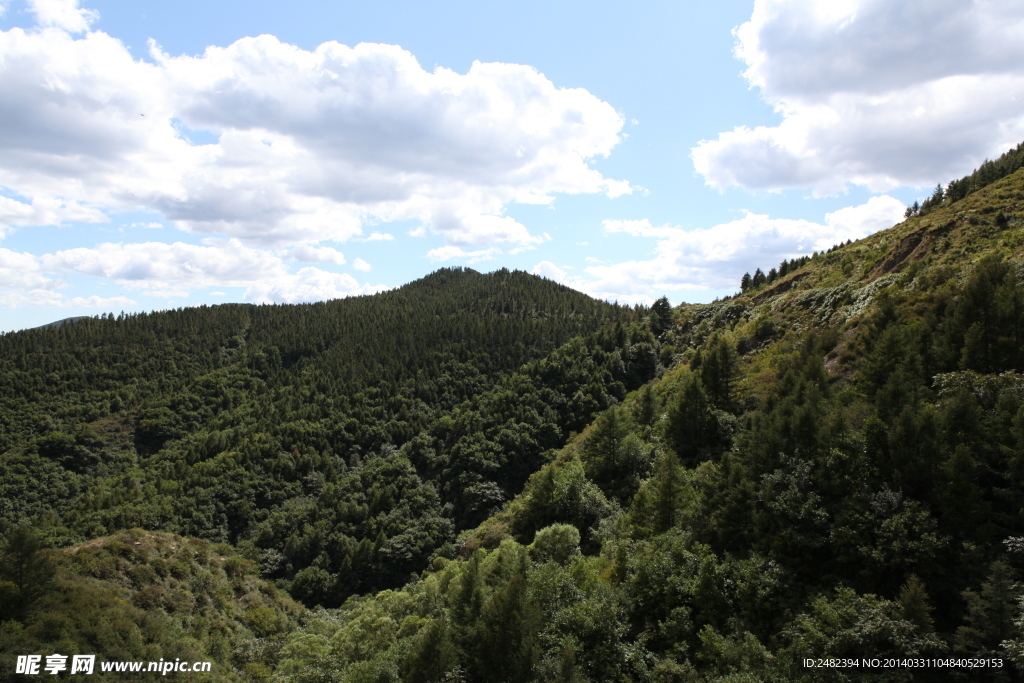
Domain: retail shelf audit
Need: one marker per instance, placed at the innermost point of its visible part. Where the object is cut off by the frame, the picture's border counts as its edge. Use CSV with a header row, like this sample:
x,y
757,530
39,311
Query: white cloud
x,y
172,271
379,236
878,213
158,266
44,211
309,284
22,271
360,264
63,14
309,254
100,302
549,270
310,145
874,93
715,258
448,253
50,299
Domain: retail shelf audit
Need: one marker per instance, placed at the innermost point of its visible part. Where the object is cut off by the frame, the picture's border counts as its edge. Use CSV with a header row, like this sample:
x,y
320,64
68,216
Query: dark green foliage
x,y
692,429
616,460
348,440
990,612
985,328
758,279
25,572
661,316
717,370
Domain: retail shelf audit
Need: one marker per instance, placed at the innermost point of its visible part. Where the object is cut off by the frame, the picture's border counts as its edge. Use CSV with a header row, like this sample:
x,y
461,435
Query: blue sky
x,y
157,154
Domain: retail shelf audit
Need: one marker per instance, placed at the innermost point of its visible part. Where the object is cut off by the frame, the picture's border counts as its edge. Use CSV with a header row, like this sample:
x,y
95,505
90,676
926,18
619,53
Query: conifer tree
x,y
718,370
691,429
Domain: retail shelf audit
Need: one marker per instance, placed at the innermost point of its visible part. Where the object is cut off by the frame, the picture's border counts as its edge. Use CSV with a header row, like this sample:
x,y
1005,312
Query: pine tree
x,y
661,316
718,371
692,430
645,410
667,484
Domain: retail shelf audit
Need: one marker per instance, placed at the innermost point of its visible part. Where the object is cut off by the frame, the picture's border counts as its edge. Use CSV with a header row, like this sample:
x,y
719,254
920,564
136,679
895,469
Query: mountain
x,y
829,468
340,444
63,321
518,483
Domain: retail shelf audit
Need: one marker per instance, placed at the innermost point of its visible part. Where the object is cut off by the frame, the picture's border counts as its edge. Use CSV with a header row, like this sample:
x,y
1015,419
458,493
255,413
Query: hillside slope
x,y
141,596
341,444
832,467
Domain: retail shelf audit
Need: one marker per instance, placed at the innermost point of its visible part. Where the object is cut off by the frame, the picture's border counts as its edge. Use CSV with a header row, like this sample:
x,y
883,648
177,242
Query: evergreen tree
x,y
661,316
718,371
667,485
645,410
692,429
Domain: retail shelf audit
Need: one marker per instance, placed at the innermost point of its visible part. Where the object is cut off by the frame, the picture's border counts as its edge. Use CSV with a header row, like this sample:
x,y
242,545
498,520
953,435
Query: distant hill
x,y
344,442
58,323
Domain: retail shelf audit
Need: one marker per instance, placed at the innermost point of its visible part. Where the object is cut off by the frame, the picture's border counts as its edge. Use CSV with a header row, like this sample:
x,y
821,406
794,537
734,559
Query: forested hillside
x,y
830,467
340,444
494,478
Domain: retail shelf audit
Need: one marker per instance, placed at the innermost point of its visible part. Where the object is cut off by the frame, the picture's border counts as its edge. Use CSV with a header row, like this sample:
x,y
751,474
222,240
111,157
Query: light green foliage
x,y
557,543
143,596
561,494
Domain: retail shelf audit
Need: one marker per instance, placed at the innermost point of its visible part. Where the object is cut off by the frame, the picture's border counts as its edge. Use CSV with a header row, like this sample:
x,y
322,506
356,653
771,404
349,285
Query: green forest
x,y
495,478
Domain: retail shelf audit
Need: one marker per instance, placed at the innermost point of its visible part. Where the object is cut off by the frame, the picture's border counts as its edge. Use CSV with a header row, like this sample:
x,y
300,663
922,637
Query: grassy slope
x,y
145,596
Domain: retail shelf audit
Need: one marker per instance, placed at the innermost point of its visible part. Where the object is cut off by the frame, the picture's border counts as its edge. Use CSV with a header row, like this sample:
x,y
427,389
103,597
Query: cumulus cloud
x,y
44,211
309,284
159,266
309,254
360,264
170,271
874,93
309,145
63,14
550,271
22,271
715,258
